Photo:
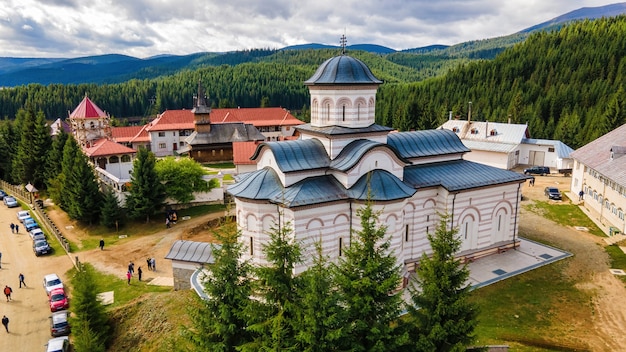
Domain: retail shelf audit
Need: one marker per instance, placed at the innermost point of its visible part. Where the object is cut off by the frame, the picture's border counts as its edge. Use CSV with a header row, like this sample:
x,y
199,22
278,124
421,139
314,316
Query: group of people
x,y
7,292
15,228
171,218
131,272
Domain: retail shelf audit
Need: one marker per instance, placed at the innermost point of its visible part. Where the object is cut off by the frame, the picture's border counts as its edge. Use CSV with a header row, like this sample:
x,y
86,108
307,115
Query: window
x,y
343,113
114,160
125,158
620,214
493,132
161,134
251,245
162,146
474,131
550,150
340,246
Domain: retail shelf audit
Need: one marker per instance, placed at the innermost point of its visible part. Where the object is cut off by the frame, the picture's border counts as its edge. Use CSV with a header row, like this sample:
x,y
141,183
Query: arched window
x,y
125,158
343,112
114,159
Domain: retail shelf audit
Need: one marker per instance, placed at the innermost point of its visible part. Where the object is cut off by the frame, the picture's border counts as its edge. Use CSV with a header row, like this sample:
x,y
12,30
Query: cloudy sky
x,y
143,28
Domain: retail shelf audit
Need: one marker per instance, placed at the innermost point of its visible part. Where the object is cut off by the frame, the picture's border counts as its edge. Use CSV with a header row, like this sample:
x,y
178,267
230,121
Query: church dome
x,y
343,70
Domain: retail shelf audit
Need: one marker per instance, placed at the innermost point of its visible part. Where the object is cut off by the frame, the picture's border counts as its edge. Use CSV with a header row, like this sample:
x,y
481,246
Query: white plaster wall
x,y
495,159
169,139
602,198
338,96
551,159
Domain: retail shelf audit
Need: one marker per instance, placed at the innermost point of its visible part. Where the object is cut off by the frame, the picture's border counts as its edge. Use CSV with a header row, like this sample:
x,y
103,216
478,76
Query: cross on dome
x,y
343,42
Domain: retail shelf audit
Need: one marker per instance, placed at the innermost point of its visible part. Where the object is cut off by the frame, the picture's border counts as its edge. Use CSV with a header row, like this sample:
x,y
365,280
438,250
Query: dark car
x,y
41,247
553,193
59,323
537,170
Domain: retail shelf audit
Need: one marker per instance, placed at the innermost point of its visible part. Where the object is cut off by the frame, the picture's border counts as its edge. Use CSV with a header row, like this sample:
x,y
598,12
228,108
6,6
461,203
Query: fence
x,y
37,206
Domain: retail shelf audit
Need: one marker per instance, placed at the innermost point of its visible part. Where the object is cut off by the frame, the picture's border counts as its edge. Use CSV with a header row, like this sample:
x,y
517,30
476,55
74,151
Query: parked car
x,y
553,193
59,323
22,215
3,194
41,247
37,234
30,224
537,170
58,344
58,300
10,202
51,282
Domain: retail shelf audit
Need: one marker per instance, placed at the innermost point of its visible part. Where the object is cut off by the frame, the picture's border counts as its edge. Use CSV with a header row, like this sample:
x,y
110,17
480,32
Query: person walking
x,y
102,244
153,263
21,277
139,272
5,322
128,276
581,195
131,267
7,292
149,261
17,228
12,228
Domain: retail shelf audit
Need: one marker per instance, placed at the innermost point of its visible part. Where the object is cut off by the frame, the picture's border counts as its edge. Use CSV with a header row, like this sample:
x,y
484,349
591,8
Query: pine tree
x,y
83,191
55,157
220,324
319,324
8,143
62,186
367,277
146,194
89,319
272,319
441,316
41,145
111,214
24,165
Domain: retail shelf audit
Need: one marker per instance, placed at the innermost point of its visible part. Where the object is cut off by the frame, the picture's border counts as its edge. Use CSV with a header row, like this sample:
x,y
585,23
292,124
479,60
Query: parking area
x,y
28,311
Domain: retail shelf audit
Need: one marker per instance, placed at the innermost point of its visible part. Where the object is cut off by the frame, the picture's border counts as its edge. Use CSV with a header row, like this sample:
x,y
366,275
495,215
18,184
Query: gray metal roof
x,y
490,146
343,69
380,185
261,184
190,251
562,150
340,130
597,155
353,152
458,175
226,133
310,191
499,132
426,143
296,155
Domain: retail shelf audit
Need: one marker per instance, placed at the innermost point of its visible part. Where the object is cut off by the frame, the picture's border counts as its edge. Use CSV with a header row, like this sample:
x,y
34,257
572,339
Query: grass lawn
x,y
220,165
565,214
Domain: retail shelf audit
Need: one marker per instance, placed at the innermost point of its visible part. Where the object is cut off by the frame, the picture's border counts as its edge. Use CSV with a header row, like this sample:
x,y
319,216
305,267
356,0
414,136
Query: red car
x,y
58,300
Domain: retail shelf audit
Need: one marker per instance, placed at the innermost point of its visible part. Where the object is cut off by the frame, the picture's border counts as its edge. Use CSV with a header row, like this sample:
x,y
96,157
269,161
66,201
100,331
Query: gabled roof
x,y
105,147
58,125
226,133
380,185
243,151
458,175
258,117
87,110
493,132
130,134
562,149
296,155
426,143
190,251
172,120
597,155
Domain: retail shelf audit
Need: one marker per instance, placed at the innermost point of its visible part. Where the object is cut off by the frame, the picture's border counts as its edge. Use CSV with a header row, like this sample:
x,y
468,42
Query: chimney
x,y
450,115
469,112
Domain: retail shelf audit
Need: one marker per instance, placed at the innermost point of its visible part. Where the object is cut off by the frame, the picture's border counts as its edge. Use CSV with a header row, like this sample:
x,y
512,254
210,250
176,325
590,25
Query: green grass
x,y
565,214
123,293
520,311
618,259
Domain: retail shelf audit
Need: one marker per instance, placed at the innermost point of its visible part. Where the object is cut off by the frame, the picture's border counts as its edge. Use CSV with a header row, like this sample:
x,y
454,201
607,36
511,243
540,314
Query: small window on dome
x,y
455,129
474,131
493,132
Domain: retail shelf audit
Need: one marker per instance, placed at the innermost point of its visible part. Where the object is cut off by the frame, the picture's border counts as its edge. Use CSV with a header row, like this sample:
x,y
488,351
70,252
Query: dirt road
x,y
28,312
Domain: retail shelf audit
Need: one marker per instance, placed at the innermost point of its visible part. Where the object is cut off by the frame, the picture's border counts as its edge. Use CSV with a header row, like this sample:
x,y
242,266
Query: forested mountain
x,y
566,85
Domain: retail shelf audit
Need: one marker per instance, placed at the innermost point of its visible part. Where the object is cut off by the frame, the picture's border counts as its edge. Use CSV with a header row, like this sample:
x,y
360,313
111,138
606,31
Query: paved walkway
x,y
528,256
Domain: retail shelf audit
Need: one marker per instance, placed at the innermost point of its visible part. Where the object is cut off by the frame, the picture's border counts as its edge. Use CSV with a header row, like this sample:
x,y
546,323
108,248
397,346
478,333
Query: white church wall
x,y
331,102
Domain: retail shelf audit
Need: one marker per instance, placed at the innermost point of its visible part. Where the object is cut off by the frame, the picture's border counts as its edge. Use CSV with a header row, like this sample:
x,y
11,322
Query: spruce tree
x,y
63,184
83,190
220,323
111,214
367,277
319,324
8,146
24,165
41,145
55,157
441,317
272,319
146,194
89,319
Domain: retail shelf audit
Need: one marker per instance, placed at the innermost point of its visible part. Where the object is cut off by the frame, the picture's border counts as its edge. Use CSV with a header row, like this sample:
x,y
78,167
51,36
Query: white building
x,y
507,145
600,172
318,182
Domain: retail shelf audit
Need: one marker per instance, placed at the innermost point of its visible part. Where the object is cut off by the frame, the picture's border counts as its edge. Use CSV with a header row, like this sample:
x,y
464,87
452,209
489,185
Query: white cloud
x,y
67,28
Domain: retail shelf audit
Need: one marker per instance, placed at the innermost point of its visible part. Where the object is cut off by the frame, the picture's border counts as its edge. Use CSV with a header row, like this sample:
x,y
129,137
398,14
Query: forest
x,y
566,84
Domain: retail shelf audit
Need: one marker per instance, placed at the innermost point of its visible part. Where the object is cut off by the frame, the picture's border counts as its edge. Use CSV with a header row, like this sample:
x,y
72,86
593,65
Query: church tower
x,y
89,123
201,112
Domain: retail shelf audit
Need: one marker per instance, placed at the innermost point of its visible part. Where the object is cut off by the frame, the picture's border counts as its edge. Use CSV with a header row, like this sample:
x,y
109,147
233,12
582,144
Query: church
x,y
343,159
